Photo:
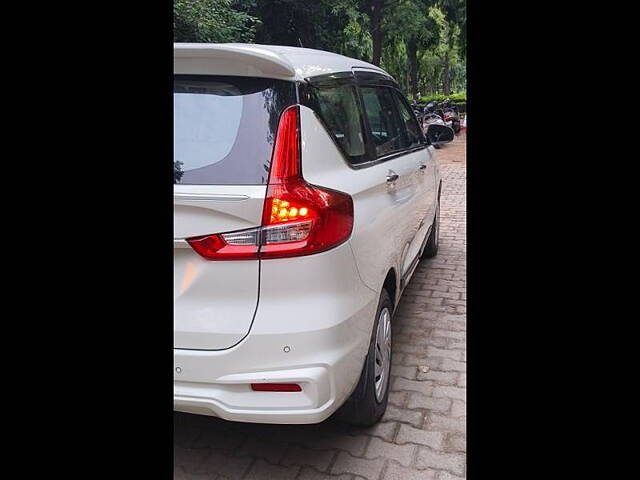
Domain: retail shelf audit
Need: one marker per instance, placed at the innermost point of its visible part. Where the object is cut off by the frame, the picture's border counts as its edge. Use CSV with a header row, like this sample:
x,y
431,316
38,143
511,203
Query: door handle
x,y
422,166
392,176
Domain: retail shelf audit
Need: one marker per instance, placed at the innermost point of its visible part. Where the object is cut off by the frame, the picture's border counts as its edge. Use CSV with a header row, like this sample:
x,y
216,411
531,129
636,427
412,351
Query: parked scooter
x,y
431,116
438,109
451,115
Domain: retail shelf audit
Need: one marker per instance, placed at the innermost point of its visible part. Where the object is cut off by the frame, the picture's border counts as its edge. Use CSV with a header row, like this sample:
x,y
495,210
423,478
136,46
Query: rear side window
x,y
413,137
338,108
224,128
386,129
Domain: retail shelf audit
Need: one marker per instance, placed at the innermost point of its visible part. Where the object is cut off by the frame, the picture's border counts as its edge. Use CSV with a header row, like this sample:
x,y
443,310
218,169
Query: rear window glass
x,y
224,128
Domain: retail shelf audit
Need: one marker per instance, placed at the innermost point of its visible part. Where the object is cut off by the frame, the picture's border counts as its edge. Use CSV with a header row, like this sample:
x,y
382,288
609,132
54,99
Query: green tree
x,y
422,43
448,49
410,23
455,15
214,21
354,37
455,12
338,26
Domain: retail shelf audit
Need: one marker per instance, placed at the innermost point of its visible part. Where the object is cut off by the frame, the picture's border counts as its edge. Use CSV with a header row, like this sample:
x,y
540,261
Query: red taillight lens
x,y
228,246
293,206
298,218
276,387
285,164
326,214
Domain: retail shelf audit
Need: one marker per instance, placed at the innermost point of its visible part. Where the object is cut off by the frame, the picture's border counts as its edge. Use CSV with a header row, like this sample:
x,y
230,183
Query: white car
x,y
305,195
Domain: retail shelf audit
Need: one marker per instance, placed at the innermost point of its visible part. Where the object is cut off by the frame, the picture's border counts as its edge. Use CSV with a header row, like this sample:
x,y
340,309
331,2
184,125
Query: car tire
x,y
368,402
431,248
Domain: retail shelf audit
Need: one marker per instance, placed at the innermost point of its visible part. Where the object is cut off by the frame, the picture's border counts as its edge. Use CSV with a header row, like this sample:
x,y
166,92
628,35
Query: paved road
x,y
422,435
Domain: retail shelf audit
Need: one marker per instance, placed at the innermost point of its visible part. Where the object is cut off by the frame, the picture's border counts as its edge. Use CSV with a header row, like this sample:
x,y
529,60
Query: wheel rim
x,y
382,354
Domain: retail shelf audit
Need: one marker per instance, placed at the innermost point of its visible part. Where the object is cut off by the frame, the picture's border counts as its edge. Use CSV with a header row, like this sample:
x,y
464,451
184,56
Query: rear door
x,y
359,112
425,175
389,135
224,130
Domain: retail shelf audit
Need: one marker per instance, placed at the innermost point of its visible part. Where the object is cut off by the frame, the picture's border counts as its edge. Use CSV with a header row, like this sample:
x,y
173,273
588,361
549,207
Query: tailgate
x,y
224,129
214,301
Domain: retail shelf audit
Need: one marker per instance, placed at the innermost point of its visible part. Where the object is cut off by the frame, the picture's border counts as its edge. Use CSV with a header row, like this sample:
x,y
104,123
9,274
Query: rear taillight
x,y
297,219
227,246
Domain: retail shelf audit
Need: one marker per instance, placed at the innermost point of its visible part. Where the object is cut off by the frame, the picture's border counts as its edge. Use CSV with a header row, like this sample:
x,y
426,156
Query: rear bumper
x,y
312,327
237,402
325,363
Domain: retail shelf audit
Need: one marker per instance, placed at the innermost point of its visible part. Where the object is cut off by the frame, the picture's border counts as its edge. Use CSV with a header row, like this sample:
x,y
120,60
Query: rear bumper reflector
x,y
276,387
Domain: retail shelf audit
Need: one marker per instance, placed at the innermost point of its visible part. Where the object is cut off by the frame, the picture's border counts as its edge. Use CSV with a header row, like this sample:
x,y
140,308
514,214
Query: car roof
x,y
271,61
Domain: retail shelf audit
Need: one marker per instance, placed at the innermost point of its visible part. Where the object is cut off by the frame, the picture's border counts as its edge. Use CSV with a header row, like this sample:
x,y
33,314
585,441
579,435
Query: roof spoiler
x,y
230,59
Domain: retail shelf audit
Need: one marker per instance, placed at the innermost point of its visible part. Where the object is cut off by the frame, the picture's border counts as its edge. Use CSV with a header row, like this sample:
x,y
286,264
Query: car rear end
x,y
271,319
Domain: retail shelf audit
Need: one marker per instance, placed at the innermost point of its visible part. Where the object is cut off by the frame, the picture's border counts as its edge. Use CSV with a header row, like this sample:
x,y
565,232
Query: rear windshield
x,y
224,128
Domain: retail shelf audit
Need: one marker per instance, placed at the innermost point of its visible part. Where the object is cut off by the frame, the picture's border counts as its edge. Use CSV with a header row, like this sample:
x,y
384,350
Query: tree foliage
x,y
213,21
422,43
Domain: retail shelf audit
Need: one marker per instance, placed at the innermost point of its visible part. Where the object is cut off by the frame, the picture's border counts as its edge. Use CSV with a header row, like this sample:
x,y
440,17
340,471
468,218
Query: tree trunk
x,y
376,30
412,54
445,75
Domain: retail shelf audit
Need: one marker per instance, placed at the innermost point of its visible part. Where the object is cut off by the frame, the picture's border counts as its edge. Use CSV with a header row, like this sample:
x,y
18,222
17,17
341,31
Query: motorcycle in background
x,y
451,115
431,116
